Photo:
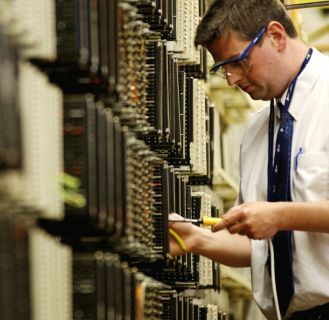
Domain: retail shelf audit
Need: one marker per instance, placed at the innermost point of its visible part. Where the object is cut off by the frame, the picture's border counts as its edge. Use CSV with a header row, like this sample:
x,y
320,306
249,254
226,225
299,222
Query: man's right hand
x,y
184,231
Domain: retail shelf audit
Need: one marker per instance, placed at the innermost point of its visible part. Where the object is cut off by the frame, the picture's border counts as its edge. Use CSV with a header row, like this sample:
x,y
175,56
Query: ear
x,y
277,35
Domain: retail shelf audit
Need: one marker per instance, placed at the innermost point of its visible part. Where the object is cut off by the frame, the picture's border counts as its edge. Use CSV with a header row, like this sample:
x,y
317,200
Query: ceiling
x,y
315,28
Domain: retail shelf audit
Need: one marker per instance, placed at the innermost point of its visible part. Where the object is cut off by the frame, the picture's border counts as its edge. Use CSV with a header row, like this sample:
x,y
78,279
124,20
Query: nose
x,y
232,78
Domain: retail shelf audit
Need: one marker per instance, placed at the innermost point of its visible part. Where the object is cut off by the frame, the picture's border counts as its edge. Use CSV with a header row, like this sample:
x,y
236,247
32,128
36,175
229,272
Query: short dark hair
x,y
246,17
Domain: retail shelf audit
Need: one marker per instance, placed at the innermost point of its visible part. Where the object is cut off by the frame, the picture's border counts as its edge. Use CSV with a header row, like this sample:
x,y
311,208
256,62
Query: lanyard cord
x,y
286,106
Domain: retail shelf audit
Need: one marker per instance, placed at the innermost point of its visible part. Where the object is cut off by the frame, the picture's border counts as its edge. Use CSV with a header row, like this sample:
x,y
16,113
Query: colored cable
x,y
179,240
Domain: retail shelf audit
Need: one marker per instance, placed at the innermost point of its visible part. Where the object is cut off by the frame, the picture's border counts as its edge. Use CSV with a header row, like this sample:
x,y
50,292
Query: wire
x,y
275,294
179,240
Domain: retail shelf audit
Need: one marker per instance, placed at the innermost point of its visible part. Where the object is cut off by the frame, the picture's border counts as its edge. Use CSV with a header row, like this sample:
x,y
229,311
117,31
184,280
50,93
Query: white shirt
x,y
309,182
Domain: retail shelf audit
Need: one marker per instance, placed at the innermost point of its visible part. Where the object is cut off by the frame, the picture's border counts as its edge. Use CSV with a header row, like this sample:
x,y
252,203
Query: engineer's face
x,y
256,73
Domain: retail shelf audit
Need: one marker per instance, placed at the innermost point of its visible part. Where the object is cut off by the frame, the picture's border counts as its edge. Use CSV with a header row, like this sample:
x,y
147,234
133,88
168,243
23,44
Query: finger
x,y
233,217
228,220
174,216
218,226
174,248
237,228
233,210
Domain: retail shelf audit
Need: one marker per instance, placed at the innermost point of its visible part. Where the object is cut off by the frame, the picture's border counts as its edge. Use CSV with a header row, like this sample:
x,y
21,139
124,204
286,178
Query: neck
x,y
297,57
294,58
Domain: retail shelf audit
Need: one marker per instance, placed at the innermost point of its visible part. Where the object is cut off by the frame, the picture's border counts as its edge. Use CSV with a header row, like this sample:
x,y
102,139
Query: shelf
x,y
225,186
235,283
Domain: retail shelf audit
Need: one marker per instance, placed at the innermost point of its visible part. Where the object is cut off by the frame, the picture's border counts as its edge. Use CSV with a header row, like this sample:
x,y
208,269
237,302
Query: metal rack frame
x,y
307,5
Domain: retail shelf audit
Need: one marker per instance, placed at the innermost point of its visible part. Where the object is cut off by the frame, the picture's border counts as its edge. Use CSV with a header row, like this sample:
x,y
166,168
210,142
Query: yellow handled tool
x,y
206,221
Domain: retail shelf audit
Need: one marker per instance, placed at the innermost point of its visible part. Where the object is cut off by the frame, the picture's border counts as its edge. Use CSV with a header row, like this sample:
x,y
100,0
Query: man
x,y
284,160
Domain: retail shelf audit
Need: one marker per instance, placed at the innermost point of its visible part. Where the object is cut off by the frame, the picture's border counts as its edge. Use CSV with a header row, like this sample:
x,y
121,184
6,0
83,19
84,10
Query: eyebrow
x,y
229,58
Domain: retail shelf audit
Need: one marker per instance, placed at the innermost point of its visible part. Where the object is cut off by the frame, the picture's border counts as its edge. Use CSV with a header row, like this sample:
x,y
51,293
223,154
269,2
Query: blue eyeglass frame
x,y
243,54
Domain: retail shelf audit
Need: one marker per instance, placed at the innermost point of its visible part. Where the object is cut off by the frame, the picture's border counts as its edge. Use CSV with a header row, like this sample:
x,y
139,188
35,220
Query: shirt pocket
x,y
311,177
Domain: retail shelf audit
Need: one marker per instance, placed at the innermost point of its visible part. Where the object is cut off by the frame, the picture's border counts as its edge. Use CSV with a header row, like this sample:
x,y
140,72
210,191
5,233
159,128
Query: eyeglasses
x,y
240,62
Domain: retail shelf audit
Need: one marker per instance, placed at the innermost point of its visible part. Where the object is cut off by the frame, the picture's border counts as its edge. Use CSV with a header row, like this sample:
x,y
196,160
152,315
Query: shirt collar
x,y
276,104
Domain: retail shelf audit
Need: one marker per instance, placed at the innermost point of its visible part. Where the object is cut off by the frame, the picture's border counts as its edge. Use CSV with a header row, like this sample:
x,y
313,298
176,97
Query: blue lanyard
x,y
291,88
